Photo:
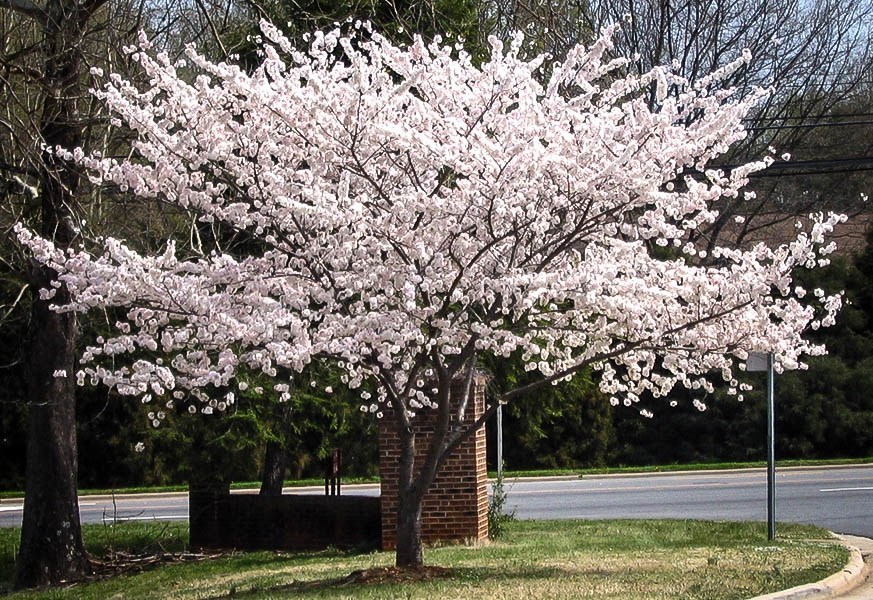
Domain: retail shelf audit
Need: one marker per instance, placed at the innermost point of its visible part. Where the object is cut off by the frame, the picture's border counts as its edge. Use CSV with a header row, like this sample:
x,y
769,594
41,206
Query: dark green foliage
x,y
399,21
727,430
13,412
564,425
396,19
109,427
828,410
228,446
823,412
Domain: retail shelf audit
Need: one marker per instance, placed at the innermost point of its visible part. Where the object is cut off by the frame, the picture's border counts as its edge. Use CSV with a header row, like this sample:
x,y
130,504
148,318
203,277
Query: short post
x,y
332,467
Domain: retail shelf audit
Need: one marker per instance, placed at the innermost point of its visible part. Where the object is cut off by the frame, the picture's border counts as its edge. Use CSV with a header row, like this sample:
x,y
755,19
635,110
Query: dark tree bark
x,y
51,538
276,451
408,549
409,553
51,549
275,463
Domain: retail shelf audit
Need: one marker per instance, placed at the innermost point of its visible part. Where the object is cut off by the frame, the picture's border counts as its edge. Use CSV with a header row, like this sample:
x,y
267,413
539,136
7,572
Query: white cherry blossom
x,y
408,211
412,209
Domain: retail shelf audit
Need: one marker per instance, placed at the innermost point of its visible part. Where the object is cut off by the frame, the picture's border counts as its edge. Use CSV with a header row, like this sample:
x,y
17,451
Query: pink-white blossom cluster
x,y
410,209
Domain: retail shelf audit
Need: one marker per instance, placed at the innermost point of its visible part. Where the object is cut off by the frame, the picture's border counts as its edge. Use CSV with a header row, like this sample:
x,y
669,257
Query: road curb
x,y
829,587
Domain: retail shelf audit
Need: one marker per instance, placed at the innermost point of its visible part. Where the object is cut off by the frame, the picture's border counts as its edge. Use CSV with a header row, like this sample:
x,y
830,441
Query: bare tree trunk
x,y
276,452
408,549
275,463
51,538
52,550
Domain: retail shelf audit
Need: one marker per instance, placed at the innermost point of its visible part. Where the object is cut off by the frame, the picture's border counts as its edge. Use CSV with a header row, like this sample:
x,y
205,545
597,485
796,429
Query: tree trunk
x,y
275,461
408,551
51,538
52,550
276,452
411,495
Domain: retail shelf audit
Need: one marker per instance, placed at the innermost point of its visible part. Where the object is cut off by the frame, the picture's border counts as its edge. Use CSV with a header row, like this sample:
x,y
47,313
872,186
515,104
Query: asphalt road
x,y
838,498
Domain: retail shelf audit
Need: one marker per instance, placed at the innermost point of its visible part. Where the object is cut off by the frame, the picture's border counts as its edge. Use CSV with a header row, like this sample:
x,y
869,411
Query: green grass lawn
x,y
534,559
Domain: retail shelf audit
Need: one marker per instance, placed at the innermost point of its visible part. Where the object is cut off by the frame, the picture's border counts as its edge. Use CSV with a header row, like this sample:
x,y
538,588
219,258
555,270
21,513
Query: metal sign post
x,y
761,361
500,441
771,453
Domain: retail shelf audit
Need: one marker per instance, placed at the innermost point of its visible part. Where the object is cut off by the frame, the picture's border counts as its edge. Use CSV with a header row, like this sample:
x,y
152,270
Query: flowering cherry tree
x,y
409,212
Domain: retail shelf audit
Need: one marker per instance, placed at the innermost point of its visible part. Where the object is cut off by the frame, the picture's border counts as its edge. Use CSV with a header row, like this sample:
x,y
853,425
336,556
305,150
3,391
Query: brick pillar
x,y
455,507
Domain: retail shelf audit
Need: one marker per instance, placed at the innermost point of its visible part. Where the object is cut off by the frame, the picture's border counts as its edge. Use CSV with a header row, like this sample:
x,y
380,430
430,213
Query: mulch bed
x,y
123,563
374,576
396,575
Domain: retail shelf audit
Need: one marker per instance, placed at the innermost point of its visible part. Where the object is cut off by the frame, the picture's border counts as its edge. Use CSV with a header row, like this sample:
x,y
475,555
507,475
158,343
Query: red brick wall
x,y
455,507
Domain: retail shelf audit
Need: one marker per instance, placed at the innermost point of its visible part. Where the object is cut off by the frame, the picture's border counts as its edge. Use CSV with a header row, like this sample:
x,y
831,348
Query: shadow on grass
x,y
377,577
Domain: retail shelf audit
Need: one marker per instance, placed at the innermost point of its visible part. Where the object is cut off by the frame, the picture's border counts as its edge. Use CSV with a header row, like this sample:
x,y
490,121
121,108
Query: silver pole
x,y
771,453
500,440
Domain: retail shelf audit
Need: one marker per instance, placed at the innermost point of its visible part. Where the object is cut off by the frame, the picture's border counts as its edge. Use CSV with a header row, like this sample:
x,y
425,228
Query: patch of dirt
x,y
124,563
378,575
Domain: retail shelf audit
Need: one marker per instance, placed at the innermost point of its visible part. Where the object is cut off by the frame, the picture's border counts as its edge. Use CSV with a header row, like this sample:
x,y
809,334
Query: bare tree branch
x,y
26,8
